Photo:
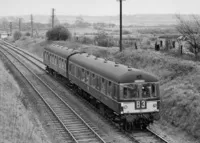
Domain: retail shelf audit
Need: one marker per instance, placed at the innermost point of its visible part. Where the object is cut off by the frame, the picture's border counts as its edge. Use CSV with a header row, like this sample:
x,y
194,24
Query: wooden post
x,y
31,25
53,17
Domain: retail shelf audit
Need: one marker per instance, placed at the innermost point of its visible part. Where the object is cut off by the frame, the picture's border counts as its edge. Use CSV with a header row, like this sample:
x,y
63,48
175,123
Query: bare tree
x,y
190,29
5,24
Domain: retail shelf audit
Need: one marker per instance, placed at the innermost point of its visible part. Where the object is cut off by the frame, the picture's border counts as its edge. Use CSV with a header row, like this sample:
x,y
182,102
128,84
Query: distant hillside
x,y
140,20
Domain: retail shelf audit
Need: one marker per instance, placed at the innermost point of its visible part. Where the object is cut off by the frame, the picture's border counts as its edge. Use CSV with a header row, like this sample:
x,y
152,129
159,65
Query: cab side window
x,y
114,93
153,90
125,92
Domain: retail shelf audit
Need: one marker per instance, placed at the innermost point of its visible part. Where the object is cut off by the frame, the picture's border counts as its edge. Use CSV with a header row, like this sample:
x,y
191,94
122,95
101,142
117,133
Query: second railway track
x,y
72,126
146,136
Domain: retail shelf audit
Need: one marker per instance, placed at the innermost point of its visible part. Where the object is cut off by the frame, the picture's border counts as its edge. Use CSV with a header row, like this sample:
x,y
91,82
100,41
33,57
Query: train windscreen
x,y
142,90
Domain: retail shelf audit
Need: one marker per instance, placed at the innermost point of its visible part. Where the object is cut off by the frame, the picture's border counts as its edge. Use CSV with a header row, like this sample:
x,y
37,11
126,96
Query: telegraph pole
x,y
20,24
120,40
10,28
53,17
31,25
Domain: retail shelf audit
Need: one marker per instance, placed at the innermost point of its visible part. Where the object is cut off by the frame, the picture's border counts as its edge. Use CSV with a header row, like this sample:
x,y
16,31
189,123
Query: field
x,y
179,74
17,123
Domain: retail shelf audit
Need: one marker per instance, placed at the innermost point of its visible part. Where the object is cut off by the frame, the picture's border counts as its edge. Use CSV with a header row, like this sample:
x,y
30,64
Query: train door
x,y
46,57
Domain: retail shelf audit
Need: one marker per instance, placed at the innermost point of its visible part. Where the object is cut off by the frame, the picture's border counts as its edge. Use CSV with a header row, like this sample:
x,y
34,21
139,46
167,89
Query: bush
x,y
17,35
85,40
103,39
125,32
27,34
58,33
23,38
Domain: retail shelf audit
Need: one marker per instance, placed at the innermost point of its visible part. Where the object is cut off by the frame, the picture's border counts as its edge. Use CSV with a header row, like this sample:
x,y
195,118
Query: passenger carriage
x,y
123,93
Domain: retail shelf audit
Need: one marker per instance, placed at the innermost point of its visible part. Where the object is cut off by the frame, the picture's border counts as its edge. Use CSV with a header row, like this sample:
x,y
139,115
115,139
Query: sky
x,y
97,7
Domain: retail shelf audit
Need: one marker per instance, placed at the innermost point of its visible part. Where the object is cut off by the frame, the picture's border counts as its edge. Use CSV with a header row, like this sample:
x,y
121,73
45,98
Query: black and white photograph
x,y
99,71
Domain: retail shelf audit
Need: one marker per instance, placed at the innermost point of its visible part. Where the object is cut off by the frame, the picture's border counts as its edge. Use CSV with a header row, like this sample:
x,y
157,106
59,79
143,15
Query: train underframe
x,y
126,122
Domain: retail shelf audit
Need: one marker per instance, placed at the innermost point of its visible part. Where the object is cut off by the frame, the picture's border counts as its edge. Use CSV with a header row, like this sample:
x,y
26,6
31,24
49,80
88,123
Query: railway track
x,y
146,136
71,125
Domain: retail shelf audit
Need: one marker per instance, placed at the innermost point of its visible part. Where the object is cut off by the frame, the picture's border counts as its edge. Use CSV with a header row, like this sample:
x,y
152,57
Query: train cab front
x,y
140,103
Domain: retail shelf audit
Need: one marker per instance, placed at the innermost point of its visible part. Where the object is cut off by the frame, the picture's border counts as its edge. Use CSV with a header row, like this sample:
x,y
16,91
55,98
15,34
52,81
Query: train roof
x,y
110,70
60,50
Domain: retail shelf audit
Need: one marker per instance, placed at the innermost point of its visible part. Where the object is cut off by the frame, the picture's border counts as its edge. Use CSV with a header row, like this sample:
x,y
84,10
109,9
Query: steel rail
x,y
135,140
101,140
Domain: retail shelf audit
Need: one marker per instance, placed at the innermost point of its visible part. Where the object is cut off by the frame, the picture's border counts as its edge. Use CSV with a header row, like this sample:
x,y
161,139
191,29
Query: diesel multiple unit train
x,y
128,96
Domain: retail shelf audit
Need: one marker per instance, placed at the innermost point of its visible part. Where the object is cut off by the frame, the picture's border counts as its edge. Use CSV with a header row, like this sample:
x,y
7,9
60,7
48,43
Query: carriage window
x,y
64,64
51,58
103,88
93,80
109,91
47,55
70,68
97,83
73,69
44,55
60,63
87,77
83,75
77,71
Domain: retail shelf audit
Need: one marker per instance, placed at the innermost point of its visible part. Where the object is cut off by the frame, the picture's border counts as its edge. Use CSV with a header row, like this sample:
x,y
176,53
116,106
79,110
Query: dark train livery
x,y
126,95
